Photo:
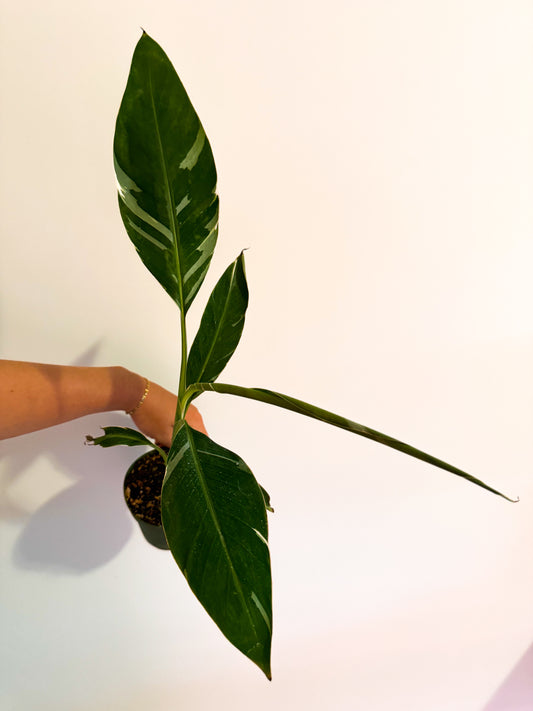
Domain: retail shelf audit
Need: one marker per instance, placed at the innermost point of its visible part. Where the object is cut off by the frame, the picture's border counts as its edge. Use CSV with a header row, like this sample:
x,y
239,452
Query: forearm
x,y
34,395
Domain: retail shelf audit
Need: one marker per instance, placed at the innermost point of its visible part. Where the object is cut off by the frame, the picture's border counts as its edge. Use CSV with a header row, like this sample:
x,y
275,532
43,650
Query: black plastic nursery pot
x,y
142,491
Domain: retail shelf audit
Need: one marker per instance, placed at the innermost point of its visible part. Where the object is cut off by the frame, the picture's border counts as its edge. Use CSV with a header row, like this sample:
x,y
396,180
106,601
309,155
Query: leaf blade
x,y
166,175
214,519
221,325
303,408
114,436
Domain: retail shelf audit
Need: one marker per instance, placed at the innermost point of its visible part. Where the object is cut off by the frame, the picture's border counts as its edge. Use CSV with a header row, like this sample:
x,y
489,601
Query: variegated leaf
x,y
114,436
317,413
215,522
166,175
221,325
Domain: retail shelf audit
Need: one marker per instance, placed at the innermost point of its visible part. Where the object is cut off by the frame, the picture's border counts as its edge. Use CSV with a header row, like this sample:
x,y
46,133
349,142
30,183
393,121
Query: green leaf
x,y
221,325
114,436
266,497
166,175
317,413
215,523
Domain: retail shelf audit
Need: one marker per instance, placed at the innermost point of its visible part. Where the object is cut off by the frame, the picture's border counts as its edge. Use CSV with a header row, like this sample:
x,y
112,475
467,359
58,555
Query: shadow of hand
x,y
86,524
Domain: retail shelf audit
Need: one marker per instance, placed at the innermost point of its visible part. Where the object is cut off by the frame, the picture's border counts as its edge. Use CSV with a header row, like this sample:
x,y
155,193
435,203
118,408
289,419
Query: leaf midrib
x,y
216,523
170,198
219,325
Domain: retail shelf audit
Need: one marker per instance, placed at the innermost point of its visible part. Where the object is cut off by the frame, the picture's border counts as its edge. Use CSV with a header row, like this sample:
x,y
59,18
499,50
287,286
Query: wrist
x,y
128,388
141,401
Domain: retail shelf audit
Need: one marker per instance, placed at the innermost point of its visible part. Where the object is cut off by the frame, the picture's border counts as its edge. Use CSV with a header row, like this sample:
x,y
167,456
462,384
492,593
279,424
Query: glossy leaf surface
x,y
215,523
221,325
114,436
317,413
166,175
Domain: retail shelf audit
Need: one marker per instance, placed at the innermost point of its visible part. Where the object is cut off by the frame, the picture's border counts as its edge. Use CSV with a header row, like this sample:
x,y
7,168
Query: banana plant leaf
x,y
304,408
114,436
215,522
221,325
166,175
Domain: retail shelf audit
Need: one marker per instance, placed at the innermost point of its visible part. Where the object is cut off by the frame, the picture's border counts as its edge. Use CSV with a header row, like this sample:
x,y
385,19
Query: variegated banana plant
x,y
214,513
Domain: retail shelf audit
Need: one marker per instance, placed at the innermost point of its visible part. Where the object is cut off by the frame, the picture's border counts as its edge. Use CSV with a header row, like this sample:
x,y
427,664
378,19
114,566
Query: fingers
x,y
194,419
155,416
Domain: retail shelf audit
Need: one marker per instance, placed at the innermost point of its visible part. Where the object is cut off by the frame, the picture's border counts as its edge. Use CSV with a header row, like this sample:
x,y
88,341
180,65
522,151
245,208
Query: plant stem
x,y
182,400
161,452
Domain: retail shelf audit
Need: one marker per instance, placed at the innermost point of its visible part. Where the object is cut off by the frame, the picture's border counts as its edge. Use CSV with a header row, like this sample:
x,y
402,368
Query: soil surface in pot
x,y
142,487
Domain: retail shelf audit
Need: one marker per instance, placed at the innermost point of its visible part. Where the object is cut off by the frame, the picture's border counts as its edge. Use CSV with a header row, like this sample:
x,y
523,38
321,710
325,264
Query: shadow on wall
x,y
86,524
516,692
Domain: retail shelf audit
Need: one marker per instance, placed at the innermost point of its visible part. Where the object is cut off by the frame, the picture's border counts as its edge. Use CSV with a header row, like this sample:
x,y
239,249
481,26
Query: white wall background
x,y
377,159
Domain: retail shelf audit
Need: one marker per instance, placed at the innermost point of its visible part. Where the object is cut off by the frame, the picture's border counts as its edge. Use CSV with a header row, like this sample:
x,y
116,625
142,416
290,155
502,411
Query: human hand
x,y
155,416
194,419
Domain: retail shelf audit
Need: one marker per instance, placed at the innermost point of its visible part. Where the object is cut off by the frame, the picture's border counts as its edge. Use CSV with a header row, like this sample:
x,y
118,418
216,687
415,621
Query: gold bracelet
x,y
145,393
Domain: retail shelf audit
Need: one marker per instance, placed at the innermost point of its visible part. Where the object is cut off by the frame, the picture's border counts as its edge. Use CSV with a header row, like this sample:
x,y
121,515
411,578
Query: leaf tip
x,y
265,668
508,498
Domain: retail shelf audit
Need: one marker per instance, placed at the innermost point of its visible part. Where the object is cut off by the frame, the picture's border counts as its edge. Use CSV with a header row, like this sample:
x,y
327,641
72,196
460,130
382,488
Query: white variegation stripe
x,y
183,204
260,536
257,603
205,246
125,186
213,222
212,454
124,180
194,289
206,252
237,322
191,159
134,207
225,356
145,235
176,458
